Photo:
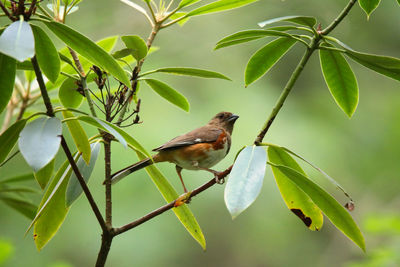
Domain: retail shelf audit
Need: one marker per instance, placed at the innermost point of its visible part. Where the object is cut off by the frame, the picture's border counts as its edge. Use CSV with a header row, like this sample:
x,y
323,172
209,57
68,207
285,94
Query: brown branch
x,y
171,205
5,10
31,9
65,147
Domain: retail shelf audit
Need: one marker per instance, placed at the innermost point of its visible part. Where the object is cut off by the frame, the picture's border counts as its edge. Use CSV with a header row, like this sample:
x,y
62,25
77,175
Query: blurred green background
x,y
361,153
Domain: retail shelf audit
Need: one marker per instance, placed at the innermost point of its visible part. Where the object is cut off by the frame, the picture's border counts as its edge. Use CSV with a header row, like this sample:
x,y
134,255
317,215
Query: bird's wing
x,y
205,134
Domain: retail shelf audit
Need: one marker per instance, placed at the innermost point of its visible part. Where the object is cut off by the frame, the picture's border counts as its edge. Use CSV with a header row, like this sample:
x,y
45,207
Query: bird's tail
x,y
128,170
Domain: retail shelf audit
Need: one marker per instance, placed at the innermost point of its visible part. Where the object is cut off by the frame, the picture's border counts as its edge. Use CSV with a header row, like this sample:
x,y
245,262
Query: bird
x,y
199,149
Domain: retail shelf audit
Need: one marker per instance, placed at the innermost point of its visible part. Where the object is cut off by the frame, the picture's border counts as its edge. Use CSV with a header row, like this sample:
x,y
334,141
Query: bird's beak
x,y
233,117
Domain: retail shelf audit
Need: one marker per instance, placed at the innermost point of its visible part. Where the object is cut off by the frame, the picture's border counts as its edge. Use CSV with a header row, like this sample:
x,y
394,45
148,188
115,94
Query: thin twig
x,y
339,18
5,10
31,9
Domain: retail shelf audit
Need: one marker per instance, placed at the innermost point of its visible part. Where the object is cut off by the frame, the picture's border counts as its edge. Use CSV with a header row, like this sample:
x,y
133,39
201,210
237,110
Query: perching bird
x,y
199,149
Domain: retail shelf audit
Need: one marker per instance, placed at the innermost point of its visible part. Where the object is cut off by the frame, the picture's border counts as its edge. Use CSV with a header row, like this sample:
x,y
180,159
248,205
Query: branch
x,y
339,18
5,10
31,9
65,147
172,204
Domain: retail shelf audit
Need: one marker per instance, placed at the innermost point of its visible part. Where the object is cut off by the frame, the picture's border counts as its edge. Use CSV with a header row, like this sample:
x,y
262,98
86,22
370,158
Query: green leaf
x,y
6,251
184,214
185,3
265,58
26,65
189,72
74,189
69,95
123,53
132,142
17,41
78,134
248,35
24,207
245,180
46,54
178,15
7,78
104,125
340,80
18,178
218,6
301,20
39,141
52,209
137,44
44,174
296,200
88,49
169,93
329,206
9,138
369,5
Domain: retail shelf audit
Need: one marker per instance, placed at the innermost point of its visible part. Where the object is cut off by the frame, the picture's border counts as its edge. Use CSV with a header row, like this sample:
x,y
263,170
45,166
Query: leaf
x,y
178,15
104,125
184,214
88,49
7,78
7,250
17,41
52,210
296,200
219,6
69,95
189,72
301,20
74,189
24,207
369,5
265,58
245,181
248,35
9,138
39,141
26,65
18,178
340,80
136,6
169,94
78,134
138,46
44,174
122,53
46,54
329,206
185,3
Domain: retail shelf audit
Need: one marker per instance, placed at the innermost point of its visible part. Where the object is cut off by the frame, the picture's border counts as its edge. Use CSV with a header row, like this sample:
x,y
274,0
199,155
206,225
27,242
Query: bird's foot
x,y
182,199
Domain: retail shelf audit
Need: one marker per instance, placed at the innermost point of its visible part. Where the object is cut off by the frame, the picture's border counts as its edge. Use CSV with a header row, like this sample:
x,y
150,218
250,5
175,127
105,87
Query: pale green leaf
x,y
44,174
219,6
190,72
9,138
245,180
301,20
137,45
69,95
369,5
17,41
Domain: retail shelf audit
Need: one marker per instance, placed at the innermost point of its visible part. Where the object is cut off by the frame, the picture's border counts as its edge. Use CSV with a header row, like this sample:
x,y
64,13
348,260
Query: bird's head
x,y
225,120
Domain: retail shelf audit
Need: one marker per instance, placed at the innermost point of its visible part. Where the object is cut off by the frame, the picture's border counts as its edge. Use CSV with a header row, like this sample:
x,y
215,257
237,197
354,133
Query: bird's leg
x,y
216,174
179,170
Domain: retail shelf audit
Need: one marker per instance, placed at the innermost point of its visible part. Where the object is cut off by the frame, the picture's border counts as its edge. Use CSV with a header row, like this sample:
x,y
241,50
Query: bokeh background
x,y
361,153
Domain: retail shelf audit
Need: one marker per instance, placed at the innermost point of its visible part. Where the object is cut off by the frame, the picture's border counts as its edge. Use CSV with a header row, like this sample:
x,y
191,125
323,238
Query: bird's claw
x,y
182,199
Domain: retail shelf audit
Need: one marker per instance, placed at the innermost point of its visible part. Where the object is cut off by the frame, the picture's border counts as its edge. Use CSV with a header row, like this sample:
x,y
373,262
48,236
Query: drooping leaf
x,y
296,200
190,72
132,142
7,78
137,44
9,138
69,95
79,135
237,41
252,34
265,58
104,125
39,141
369,5
44,174
170,94
18,178
74,189
88,49
245,180
336,213
340,80
184,214
301,20
46,54
22,206
219,6
52,209
17,41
